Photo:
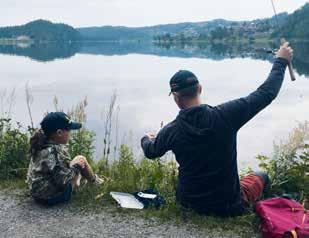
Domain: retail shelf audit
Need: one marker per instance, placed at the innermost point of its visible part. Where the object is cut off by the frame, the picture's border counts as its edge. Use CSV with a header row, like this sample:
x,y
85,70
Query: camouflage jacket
x,y
49,171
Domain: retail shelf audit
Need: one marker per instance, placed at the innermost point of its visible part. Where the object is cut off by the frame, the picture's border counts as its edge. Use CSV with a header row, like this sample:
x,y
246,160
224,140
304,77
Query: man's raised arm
x,y
238,112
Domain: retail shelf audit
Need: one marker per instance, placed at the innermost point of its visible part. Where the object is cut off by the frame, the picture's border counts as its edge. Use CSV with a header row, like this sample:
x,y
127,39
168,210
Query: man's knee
x,y
264,177
252,186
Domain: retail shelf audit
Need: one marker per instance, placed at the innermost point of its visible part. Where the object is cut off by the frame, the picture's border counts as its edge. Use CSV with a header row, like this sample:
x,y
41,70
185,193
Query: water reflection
x,y
49,52
140,73
41,52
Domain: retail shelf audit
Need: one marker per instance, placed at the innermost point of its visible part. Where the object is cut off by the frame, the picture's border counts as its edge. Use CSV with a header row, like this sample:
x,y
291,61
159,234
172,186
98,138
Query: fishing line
x,y
276,17
290,67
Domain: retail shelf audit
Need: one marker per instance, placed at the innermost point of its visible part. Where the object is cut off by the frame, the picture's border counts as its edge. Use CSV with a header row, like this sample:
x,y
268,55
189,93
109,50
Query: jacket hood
x,y
195,122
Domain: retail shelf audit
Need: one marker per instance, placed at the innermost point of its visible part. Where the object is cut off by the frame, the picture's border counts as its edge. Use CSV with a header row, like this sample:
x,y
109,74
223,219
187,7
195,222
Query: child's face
x,y
62,136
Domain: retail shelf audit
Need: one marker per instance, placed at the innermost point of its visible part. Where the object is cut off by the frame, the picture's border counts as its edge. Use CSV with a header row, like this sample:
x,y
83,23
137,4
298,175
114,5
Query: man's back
x,y
205,148
203,139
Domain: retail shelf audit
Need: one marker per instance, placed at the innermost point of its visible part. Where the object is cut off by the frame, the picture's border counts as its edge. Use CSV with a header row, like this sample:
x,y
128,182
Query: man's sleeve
x,y
157,147
238,112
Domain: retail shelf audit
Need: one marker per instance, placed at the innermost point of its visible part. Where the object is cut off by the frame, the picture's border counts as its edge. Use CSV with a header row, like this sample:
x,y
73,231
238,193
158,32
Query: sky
x,y
80,13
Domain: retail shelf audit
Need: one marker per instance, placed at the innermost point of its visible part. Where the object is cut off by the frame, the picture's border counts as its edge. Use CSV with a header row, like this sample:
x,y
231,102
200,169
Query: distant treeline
x,y
40,30
297,25
293,25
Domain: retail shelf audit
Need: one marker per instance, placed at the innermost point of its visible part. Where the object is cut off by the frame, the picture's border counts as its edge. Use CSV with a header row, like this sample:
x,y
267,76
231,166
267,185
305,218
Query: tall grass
x,y
107,141
81,142
7,101
14,148
14,142
288,168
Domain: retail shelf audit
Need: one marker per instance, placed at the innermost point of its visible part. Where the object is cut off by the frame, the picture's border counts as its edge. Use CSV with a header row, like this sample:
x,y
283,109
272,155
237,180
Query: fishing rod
x,y
292,75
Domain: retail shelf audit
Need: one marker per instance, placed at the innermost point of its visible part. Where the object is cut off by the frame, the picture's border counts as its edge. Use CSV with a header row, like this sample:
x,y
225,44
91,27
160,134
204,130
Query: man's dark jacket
x,y
203,139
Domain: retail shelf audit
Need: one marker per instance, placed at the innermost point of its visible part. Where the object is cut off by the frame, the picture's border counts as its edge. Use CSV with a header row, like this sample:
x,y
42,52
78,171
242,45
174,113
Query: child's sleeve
x,y
57,168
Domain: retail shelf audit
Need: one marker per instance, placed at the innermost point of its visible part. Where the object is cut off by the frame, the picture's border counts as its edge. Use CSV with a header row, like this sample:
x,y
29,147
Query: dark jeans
x,y
252,187
65,196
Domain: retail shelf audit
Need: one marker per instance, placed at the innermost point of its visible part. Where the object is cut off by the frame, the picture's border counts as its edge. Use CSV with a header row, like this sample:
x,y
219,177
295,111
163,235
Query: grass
x,y
13,184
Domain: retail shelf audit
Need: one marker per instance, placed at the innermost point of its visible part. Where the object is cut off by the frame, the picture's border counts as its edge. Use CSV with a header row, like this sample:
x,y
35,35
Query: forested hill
x,y
40,30
292,26
114,33
297,25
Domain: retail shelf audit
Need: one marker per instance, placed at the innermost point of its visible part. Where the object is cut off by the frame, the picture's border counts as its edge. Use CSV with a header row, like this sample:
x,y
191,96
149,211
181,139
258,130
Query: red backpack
x,y
281,217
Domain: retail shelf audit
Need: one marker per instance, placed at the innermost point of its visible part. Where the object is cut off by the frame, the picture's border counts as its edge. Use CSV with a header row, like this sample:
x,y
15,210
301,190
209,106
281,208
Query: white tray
x,y
127,200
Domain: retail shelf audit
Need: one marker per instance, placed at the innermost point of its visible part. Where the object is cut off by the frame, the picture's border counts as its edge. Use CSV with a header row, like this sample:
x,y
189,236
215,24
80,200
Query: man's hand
x,y
151,136
285,52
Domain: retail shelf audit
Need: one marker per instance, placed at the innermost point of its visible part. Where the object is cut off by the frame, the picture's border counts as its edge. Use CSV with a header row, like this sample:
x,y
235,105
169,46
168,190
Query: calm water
x,y
139,74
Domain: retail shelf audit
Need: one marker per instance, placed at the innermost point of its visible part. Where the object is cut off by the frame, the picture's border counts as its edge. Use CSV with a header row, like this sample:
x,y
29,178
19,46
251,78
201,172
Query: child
x,y
52,175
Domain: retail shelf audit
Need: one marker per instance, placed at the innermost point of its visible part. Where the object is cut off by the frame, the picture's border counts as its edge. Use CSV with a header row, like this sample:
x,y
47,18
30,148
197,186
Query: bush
x,y
14,148
81,142
289,166
127,175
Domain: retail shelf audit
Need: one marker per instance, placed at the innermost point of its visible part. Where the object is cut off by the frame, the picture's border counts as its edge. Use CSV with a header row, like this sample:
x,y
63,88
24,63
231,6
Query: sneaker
x,y
78,180
83,182
98,180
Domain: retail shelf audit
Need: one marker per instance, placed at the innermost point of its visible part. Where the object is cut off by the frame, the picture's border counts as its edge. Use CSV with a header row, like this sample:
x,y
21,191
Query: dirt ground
x,y
22,218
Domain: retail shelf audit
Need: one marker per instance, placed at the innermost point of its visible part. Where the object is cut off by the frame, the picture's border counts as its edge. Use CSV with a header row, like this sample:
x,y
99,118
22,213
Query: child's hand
x,y
81,163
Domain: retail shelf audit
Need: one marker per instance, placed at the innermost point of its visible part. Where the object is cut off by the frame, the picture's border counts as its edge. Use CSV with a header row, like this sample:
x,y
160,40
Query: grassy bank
x,y
288,169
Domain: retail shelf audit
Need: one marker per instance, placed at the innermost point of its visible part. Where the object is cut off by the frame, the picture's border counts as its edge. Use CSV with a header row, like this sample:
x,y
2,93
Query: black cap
x,y
181,80
54,121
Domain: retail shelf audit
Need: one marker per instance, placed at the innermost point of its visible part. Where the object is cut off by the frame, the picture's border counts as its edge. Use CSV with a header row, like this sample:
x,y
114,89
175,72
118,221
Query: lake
x,y
139,74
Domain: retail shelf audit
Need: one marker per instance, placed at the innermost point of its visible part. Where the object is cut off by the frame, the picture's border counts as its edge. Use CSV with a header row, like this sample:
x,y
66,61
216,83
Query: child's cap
x,y
54,121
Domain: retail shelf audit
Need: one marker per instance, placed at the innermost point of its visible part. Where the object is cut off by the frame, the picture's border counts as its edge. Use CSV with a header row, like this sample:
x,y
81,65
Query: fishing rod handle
x,y
291,71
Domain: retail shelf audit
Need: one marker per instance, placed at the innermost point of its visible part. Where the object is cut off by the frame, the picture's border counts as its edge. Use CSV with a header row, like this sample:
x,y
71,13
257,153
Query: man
x,y
203,139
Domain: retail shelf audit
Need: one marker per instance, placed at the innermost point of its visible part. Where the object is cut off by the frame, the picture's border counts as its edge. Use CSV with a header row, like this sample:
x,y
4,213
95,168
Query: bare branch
x,y
29,101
